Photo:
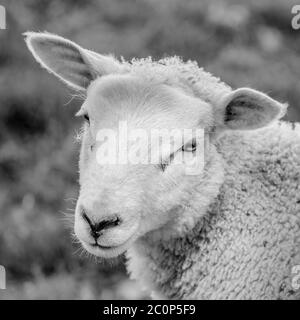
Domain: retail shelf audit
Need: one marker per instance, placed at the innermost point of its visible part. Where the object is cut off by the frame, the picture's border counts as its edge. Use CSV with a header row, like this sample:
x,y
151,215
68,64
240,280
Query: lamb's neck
x,y
158,264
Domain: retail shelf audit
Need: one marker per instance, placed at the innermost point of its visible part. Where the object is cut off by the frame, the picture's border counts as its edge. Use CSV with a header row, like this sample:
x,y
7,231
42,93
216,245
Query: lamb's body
x,y
249,240
231,231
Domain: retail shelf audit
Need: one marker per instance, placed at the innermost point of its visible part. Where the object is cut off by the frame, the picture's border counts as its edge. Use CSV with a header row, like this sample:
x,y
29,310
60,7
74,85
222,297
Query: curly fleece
x,y
235,232
249,240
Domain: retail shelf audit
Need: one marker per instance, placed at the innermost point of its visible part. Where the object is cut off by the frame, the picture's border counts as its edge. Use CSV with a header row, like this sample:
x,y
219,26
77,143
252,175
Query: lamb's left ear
x,y
71,63
247,109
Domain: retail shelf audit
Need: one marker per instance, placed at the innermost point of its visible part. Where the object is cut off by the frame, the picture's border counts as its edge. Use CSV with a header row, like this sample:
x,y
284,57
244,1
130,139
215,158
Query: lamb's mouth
x,y
107,251
97,245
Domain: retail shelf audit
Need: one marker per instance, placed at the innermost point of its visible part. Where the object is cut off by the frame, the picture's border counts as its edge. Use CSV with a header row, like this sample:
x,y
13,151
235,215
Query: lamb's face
x,y
123,196
122,199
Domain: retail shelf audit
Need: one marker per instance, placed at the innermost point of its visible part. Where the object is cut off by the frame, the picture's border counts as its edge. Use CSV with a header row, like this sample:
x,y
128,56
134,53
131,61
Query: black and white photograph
x,y
150,150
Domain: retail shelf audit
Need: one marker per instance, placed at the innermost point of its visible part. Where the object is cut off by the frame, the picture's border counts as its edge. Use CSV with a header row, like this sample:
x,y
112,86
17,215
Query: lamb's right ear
x,y
68,61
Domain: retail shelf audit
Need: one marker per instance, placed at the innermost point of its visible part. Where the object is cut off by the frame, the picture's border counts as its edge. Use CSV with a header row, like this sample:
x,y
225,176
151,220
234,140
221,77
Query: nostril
x,y
106,224
85,217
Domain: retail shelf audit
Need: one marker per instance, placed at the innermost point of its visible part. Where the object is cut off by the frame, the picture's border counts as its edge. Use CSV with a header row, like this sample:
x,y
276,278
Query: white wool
x,y
176,72
232,231
249,240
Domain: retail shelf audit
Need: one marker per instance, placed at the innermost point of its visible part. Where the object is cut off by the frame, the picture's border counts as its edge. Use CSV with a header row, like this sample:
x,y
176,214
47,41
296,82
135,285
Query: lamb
x,y
230,232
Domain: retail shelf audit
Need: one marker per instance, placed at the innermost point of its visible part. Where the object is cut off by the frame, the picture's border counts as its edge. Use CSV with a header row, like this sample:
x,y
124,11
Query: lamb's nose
x,y
98,227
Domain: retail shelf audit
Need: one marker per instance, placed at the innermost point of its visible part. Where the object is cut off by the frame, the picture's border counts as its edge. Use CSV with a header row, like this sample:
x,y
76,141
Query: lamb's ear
x,y
68,61
246,109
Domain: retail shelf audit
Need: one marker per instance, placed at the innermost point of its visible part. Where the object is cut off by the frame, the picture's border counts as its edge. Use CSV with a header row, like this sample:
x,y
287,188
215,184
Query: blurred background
x,y
245,43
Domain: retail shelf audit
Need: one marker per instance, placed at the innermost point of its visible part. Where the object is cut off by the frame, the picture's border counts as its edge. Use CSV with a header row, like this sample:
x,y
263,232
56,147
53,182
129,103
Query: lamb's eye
x,y
87,118
190,147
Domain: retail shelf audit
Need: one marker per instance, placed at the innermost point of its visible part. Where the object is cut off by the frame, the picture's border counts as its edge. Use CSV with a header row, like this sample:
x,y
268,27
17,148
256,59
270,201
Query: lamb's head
x,y
147,144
